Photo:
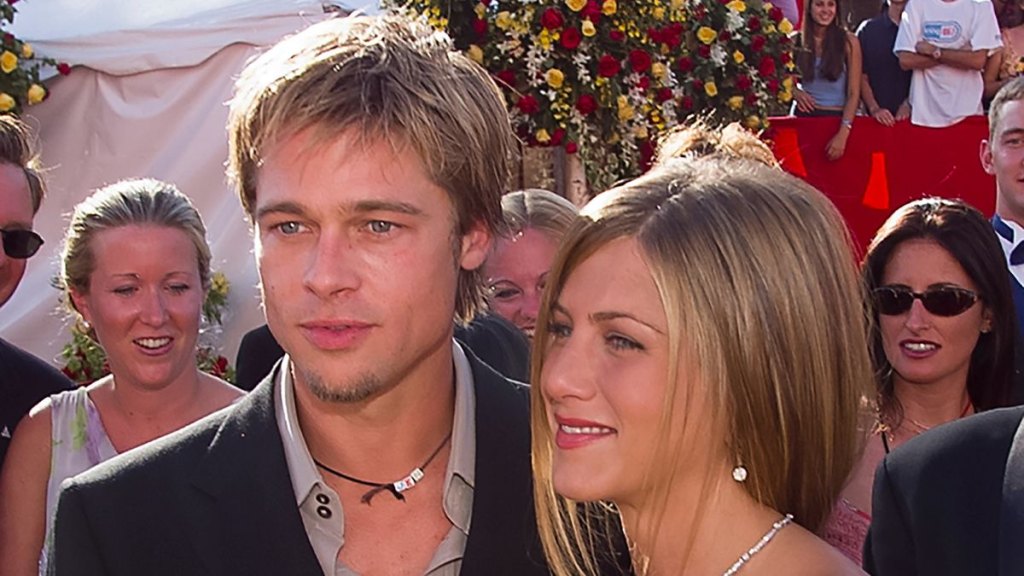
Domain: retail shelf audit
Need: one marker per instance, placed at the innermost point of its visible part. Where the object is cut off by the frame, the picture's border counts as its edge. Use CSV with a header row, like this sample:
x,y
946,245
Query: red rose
x,y
586,104
8,39
646,154
784,40
743,82
527,104
506,77
570,38
767,66
656,35
775,14
674,35
640,61
571,148
773,85
757,43
592,11
724,36
480,27
685,64
557,136
700,13
754,23
751,99
698,85
608,66
552,19
643,83
704,51
664,94
617,35
785,57
687,102
64,68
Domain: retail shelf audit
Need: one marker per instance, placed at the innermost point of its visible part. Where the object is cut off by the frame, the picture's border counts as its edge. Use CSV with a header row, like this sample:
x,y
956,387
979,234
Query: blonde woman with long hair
x,y
698,374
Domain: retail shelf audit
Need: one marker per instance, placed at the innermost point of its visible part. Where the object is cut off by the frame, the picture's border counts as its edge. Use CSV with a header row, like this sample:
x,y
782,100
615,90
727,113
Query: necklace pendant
x,y
409,481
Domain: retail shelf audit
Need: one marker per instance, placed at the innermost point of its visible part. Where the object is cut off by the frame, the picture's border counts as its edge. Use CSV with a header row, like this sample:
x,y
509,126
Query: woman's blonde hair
x,y
537,209
756,273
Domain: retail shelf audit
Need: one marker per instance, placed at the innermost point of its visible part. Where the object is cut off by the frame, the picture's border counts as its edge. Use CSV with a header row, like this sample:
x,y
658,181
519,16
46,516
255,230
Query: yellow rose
x,y
481,11
503,20
626,110
26,50
677,4
542,136
641,132
787,82
786,27
710,89
555,78
36,93
706,35
575,5
475,53
737,5
736,102
588,28
785,96
659,71
753,122
8,61
6,102
659,13
609,7
738,57
769,28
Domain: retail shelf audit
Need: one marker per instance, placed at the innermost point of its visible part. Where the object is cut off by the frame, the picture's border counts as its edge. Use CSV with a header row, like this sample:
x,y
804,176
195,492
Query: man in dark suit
x,y
24,379
370,159
951,501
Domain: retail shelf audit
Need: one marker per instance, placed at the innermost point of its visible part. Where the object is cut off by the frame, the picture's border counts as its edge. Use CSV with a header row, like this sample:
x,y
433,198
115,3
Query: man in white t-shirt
x,y
945,43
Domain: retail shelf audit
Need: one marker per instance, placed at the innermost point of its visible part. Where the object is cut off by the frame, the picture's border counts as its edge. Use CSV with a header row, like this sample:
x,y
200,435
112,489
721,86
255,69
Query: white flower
x,y
718,55
733,21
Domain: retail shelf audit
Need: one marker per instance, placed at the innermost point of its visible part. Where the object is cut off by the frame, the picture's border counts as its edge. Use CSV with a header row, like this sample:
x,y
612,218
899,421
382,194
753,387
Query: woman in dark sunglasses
x,y
942,338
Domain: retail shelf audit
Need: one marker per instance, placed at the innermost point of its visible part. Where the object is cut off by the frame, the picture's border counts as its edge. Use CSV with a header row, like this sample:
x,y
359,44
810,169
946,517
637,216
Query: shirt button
x,y
323,511
323,499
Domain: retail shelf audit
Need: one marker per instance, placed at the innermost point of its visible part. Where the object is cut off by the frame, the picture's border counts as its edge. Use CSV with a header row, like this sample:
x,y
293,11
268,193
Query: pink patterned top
x,y
846,529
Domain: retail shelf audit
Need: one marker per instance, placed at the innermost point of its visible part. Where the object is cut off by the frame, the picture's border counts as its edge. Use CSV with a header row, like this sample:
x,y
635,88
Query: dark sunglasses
x,y
21,244
941,301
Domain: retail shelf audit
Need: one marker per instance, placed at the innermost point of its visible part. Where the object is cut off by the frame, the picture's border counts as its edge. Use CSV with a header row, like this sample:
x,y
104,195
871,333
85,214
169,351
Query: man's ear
x,y
476,244
986,157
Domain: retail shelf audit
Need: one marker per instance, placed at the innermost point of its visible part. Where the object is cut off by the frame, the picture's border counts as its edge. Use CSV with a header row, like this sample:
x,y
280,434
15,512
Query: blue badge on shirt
x,y
943,32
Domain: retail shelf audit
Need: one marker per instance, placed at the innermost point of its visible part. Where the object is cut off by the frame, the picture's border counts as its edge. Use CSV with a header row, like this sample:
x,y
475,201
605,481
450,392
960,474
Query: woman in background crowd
x,y
135,270
1007,62
828,57
517,268
942,340
685,377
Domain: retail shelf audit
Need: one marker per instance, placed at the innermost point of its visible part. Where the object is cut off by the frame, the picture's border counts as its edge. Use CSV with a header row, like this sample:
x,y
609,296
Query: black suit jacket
x,y
951,501
215,498
24,381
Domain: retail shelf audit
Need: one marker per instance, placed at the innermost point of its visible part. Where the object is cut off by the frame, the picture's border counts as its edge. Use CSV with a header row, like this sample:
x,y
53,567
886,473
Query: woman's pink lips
x,y
577,437
918,354
335,336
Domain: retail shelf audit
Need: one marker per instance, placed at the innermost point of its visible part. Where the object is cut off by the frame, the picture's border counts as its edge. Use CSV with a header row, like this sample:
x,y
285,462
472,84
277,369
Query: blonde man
x,y
370,159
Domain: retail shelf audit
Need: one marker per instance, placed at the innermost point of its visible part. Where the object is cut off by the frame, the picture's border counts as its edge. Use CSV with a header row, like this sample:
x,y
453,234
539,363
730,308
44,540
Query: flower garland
x,y
20,85
605,78
85,361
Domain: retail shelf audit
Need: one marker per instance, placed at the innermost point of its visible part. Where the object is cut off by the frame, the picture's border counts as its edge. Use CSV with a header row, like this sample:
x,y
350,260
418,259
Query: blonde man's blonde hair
x,y
764,304
384,78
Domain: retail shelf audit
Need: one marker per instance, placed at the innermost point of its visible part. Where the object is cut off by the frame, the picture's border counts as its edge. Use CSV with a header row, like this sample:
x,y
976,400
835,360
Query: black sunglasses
x,y
941,301
21,244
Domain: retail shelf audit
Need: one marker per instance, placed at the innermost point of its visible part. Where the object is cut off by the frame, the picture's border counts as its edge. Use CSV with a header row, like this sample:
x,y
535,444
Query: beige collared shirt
x,y
320,507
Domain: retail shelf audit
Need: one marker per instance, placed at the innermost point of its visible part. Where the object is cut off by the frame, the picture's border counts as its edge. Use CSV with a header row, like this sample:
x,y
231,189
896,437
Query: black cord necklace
x,y
396,488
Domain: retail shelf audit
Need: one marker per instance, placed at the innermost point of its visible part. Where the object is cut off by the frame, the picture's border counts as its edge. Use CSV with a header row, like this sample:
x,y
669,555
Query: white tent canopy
x,y
147,98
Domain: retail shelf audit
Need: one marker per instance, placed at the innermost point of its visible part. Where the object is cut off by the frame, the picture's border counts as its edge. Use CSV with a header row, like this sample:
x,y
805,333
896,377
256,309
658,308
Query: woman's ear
x,y
81,303
986,321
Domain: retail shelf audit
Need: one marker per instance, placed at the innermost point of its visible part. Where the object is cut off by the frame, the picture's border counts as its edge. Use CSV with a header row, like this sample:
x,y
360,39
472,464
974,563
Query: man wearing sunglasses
x,y
951,501
24,379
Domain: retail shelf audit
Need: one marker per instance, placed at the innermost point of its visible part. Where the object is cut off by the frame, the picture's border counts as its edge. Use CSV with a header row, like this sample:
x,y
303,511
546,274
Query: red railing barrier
x,y
886,167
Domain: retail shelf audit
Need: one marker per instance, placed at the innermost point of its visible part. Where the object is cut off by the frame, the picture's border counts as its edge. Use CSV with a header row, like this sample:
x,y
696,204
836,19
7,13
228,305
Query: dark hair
x,y
16,149
969,238
833,46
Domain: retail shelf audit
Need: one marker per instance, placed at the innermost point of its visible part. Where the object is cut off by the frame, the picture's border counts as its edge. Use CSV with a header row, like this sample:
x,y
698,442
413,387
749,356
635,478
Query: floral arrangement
x,y
85,361
19,67
604,78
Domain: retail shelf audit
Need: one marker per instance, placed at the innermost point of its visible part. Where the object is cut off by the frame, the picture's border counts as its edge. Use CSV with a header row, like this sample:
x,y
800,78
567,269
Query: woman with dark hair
x,y
942,340
828,57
